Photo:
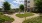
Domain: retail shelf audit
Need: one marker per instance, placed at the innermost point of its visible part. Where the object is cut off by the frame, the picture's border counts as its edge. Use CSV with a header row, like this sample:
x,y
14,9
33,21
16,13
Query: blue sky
x,y
14,3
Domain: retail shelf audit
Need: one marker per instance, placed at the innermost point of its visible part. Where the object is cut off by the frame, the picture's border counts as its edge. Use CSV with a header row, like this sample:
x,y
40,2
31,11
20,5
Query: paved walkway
x,y
20,20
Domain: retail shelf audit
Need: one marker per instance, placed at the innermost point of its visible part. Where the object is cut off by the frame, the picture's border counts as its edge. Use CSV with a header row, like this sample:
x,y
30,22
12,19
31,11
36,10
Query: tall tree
x,y
6,6
39,5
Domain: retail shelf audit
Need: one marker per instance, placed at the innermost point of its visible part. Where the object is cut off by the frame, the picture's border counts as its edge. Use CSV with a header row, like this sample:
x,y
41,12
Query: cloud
x,y
13,6
18,1
1,2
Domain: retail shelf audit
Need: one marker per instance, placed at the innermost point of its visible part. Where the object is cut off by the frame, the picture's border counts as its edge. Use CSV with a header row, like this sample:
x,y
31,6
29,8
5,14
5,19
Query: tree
x,y
6,6
21,7
38,5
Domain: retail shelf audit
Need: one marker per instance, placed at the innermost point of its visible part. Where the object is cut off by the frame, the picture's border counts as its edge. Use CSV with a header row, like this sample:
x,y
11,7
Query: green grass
x,y
24,15
33,20
6,18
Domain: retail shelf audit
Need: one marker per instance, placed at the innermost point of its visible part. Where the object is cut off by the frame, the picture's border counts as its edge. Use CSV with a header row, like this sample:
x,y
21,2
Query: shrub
x,y
11,11
2,20
1,13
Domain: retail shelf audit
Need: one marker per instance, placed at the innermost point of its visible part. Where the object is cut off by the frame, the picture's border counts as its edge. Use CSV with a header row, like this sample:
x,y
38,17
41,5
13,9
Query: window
x,y
28,5
28,1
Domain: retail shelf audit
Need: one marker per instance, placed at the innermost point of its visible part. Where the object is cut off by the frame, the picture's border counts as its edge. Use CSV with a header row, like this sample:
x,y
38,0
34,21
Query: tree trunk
x,y
19,10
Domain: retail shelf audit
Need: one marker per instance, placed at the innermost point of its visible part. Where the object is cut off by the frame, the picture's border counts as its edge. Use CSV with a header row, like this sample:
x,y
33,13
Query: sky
x,y
14,3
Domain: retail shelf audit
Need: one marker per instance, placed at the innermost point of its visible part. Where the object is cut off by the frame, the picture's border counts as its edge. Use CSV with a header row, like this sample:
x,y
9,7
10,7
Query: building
x,y
29,5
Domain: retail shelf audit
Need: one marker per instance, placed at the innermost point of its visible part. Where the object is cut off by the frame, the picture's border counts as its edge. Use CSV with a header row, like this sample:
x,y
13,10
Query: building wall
x,y
25,5
30,5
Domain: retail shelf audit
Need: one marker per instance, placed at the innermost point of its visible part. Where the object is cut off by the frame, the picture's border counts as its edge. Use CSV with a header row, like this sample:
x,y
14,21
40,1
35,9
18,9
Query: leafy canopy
x,y
6,6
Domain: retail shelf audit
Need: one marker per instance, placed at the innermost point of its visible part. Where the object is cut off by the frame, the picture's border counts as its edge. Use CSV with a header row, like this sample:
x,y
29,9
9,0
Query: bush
x,y
2,20
11,11
1,13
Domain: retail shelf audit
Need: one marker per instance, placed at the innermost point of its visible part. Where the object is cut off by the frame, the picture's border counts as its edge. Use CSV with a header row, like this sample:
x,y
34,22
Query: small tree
x,y
21,7
6,6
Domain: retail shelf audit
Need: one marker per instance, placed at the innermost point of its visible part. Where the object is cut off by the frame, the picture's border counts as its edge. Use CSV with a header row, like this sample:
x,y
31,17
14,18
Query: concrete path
x,y
20,20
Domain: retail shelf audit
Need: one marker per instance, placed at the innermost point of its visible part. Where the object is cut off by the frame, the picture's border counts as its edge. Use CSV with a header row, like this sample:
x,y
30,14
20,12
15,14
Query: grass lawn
x,y
5,18
24,15
34,20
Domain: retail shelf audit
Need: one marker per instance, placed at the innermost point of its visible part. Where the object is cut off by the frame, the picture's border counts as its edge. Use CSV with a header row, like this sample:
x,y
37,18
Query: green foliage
x,y
33,20
11,11
21,7
6,6
38,5
24,15
1,13
17,10
4,18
